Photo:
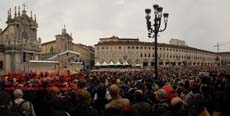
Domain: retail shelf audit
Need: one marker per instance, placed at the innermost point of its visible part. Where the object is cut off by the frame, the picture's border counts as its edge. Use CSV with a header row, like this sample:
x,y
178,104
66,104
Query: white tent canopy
x,y
118,63
125,63
104,64
98,64
111,63
138,64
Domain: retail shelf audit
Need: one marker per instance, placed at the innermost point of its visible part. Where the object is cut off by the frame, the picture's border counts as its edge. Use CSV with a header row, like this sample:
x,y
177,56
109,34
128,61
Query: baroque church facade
x,y
18,41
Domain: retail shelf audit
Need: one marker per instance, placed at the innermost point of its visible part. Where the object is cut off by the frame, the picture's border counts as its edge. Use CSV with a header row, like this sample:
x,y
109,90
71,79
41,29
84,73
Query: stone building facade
x,y
18,41
133,51
225,57
64,42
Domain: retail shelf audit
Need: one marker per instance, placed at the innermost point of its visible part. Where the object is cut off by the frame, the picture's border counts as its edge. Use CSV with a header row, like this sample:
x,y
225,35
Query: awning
x,y
42,61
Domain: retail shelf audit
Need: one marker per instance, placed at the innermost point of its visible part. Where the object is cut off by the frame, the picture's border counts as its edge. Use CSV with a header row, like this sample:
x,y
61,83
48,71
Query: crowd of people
x,y
177,91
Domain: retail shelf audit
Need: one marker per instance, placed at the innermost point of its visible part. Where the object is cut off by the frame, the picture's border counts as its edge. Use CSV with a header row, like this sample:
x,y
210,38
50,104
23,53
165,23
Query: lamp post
x,y
154,29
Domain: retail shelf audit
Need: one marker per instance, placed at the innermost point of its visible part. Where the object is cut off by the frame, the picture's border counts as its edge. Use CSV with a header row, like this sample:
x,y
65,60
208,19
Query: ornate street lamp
x,y
154,29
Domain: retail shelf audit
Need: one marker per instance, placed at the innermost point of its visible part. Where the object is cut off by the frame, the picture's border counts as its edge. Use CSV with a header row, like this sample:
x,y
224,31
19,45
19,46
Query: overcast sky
x,y
201,23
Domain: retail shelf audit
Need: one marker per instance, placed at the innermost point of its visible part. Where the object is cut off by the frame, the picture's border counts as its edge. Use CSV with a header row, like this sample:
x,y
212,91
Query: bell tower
x,y
64,41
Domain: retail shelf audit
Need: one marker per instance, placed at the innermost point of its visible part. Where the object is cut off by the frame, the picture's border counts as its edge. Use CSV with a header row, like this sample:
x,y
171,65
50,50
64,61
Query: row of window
x,y
174,56
132,47
160,56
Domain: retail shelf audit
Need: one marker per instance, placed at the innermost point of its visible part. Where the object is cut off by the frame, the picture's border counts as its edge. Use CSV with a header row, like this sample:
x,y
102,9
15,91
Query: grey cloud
x,y
202,23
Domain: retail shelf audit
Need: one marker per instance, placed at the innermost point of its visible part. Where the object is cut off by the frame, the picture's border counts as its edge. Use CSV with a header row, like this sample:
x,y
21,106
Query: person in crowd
x,y
81,84
163,103
140,107
21,105
51,104
117,101
226,95
4,105
101,100
168,88
83,106
187,81
198,106
175,107
148,93
114,112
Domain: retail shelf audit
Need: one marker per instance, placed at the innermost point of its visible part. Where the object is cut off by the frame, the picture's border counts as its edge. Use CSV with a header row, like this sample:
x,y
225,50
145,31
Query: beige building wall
x,y
85,54
2,60
225,58
46,47
134,52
